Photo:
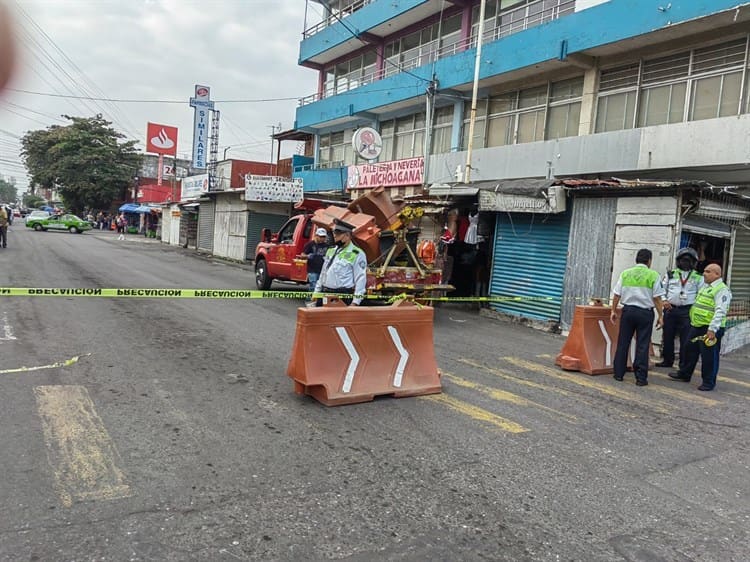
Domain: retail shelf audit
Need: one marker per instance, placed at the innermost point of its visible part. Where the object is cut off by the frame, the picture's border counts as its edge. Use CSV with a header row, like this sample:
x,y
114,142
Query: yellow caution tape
x,y
241,294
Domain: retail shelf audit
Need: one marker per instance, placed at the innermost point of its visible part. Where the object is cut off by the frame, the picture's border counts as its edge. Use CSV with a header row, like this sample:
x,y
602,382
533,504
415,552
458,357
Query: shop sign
x,y
201,105
272,188
396,173
194,186
161,139
367,142
552,201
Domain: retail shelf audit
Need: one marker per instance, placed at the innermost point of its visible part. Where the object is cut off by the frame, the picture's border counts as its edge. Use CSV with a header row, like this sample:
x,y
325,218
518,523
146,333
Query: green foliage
x,y
32,201
86,161
8,192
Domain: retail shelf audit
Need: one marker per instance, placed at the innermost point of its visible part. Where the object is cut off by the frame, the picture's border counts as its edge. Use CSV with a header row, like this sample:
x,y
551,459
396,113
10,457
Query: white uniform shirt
x,y
721,301
341,274
679,294
642,297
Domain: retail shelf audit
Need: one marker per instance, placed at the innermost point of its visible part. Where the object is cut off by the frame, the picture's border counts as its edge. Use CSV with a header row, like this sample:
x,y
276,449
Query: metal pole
x,y
472,119
429,112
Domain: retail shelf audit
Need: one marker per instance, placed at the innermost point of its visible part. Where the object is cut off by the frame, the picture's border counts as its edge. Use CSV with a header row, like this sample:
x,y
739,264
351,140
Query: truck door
x,y
280,255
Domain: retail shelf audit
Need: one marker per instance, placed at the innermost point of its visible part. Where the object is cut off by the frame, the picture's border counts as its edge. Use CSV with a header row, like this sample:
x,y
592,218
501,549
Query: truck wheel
x,y
262,280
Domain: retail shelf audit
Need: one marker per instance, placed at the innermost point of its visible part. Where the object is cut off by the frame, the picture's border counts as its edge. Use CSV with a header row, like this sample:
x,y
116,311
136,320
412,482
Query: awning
x,y
129,208
529,187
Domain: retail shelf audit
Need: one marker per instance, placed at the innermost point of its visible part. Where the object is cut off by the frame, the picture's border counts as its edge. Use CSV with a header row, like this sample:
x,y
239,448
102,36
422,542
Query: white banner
x,y
194,186
272,188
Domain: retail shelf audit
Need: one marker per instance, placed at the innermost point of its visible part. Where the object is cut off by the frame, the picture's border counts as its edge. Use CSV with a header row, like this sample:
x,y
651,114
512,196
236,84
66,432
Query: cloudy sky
x,y
155,51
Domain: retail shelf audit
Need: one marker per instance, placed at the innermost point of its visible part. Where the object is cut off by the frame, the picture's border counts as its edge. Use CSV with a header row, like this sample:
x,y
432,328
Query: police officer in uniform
x,y
708,317
639,289
344,266
681,286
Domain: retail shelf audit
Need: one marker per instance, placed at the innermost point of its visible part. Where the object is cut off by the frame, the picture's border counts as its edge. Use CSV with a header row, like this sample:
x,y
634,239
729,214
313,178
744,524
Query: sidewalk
x,y
112,235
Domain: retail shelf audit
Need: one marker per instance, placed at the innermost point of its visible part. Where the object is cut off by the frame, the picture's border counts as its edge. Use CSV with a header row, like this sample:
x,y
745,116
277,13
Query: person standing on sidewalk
x,y
639,289
708,318
4,221
681,287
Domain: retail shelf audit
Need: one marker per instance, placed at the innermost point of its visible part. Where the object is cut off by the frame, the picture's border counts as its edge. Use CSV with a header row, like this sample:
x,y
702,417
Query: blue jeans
x,y
312,280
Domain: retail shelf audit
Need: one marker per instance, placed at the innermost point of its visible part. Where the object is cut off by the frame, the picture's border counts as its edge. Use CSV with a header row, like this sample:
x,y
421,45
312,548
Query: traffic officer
x,y
344,266
681,286
640,291
708,317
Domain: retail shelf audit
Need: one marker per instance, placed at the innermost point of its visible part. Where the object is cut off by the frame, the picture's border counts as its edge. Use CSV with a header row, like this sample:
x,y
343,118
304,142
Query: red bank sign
x,y
161,139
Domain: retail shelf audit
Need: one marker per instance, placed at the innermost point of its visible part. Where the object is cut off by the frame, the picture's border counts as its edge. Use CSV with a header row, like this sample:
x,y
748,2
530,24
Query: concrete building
x,y
584,89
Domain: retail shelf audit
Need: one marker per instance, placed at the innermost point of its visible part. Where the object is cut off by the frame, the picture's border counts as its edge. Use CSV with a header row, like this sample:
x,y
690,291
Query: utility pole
x,y
225,152
429,114
472,119
273,132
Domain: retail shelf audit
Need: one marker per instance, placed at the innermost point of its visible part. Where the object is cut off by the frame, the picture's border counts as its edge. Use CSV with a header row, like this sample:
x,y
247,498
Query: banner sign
x,y
553,201
272,188
194,186
388,174
161,139
202,104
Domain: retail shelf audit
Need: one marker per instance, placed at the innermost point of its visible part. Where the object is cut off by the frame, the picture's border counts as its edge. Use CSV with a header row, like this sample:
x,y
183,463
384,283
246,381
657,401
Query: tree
x,y
32,201
8,192
85,161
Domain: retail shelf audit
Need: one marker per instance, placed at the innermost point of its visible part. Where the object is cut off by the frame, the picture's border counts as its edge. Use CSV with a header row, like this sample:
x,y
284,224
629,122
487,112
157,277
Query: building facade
x,y
582,89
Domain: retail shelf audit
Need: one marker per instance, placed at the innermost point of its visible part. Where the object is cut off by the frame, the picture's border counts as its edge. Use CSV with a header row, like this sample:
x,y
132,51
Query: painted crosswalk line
x,y
79,449
476,413
505,396
587,382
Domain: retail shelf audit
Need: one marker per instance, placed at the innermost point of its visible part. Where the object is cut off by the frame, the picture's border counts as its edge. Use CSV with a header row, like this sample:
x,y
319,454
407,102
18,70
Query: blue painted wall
x,y
360,21
329,179
606,23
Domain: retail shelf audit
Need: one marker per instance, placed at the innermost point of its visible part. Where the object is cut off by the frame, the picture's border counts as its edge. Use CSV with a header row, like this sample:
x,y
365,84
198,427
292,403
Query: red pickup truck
x,y
276,256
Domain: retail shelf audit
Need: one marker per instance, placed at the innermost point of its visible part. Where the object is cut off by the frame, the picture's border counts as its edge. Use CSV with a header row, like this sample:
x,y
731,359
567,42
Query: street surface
x,y
166,429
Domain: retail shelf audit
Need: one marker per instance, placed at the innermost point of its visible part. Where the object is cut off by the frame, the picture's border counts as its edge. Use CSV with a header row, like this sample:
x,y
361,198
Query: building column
x,y
466,25
458,121
380,61
587,122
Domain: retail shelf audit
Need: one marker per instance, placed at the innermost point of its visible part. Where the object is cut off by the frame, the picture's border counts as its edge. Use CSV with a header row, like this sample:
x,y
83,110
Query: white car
x,y
37,215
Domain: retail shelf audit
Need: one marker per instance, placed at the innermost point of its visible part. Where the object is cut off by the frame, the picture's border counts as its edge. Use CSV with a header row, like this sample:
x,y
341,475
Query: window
x,y
442,129
335,149
402,137
564,114
704,83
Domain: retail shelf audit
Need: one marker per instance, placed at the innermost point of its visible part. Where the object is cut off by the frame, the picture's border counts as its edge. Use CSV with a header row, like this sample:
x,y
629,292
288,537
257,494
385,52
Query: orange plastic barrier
x,y
592,341
345,355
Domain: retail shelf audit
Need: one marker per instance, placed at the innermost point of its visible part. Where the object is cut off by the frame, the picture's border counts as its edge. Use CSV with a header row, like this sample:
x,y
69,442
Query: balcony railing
x,y
509,22
334,17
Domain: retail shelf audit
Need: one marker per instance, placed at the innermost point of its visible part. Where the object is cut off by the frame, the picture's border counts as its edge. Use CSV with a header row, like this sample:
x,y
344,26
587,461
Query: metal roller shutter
x,y
739,280
530,256
206,217
258,221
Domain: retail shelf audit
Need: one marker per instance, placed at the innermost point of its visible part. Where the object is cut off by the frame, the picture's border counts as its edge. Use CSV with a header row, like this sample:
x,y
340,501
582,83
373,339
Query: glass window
x,y
615,112
563,120
500,130
717,96
661,105
531,126
478,134
532,97
567,89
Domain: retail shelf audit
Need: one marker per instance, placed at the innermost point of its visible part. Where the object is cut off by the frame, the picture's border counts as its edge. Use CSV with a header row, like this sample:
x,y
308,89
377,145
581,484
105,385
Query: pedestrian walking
x,y
4,221
708,318
681,286
344,267
639,289
315,251
122,224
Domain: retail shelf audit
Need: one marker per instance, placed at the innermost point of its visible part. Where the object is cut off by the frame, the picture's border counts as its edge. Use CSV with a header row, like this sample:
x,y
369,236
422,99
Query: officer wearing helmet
x,y
344,267
681,285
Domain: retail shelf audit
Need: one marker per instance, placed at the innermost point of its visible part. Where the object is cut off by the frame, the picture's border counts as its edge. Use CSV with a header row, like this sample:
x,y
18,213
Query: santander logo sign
x,y
161,139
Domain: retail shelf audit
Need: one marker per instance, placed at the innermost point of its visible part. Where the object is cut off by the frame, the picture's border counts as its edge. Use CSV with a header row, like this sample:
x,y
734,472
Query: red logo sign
x,y
161,139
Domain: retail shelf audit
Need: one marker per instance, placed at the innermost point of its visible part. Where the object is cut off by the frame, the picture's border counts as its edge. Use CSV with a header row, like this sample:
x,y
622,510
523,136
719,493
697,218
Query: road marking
x,y
608,352
79,449
681,392
403,356
736,395
476,413
504,396
544,356
518,380
586,382
353,358
7,329
65,363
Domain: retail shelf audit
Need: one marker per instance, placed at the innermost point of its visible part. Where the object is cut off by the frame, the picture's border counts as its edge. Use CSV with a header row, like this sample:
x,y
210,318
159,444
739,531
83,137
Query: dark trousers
x,y
4,236
340,291
709,356
638,321
676,323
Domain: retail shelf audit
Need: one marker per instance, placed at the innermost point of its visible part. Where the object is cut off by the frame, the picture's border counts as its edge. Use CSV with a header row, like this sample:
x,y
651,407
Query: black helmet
x,y
689,252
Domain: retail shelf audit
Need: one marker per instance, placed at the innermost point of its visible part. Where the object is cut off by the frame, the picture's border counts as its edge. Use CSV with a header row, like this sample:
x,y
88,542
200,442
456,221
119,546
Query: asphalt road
x,y
158,429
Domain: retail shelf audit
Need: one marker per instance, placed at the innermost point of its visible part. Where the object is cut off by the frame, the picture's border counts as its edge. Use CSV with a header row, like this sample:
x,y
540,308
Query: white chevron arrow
x,y
608,352
404,356
353,358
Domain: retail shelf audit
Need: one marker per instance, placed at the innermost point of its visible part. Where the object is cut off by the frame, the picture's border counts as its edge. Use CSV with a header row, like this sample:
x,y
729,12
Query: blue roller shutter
x,y
529,261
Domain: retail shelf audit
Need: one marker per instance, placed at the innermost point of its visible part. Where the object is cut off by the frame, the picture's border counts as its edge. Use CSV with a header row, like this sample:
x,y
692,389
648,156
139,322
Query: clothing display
x,y
472,235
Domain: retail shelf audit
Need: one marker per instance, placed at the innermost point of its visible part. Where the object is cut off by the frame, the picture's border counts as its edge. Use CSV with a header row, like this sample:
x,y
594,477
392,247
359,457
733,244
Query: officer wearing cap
x,y
315,251
345,266
681,286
